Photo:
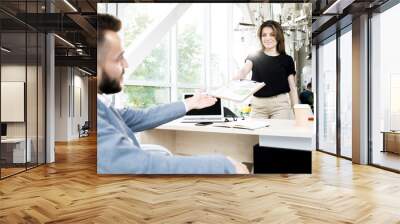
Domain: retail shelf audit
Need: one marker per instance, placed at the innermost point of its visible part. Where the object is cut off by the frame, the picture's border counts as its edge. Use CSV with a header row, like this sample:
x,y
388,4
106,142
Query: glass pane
x,y
385,91
13,85
219,51
31,100
155,67
190,47
327,97
101,7
245,41
143,96
41,98
138,18
346,94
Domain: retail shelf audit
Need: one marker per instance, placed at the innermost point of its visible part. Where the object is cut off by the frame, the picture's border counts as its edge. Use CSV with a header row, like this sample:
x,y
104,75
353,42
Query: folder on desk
x,y
244,124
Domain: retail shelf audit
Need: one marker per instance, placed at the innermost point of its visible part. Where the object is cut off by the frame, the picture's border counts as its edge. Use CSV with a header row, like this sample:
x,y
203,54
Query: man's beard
x,y
109,86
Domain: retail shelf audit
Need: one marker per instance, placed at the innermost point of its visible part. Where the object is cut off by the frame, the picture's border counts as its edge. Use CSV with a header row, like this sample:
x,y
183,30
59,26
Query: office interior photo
x,y
342,166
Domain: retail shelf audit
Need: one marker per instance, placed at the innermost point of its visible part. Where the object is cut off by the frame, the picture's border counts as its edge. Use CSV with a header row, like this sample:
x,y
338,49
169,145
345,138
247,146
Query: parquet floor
x,y
70,191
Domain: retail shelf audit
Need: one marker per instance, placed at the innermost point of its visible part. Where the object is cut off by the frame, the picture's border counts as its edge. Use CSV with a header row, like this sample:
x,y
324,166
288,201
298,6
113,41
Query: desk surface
x,y
13,140
391,132
283,128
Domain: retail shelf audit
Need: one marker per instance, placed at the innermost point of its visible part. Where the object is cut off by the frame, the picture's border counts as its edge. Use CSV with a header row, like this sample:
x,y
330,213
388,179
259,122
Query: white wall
x,y
69,85
14,73
33,126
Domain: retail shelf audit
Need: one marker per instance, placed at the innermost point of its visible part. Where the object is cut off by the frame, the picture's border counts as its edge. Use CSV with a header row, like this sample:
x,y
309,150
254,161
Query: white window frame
x,y
206,80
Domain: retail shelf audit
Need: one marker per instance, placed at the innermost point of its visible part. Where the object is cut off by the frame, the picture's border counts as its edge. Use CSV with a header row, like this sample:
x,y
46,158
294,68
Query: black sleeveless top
x,y
273,71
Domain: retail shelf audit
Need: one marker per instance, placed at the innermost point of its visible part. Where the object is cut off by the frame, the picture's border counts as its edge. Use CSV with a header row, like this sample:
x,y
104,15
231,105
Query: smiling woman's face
x,y
268,38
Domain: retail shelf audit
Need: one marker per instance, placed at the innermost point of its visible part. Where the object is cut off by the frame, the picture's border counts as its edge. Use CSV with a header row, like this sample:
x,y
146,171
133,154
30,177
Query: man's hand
x,y
199,101
240,168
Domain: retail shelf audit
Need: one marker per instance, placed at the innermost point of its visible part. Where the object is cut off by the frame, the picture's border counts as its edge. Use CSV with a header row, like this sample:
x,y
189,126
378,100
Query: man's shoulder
x,y
101,107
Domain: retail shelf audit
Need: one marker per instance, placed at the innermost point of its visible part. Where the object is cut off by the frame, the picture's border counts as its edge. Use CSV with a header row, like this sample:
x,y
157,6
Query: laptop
x,y
214,113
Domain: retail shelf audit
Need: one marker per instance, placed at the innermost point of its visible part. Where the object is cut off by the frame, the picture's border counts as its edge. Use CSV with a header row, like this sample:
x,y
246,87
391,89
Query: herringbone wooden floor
x,y
70,191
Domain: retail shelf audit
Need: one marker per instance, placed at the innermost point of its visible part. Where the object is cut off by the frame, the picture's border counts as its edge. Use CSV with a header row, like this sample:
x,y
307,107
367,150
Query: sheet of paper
x,y
237,90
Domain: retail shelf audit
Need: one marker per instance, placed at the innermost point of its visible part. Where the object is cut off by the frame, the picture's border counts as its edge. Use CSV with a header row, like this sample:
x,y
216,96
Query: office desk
x,y
13,150
186,138
391,141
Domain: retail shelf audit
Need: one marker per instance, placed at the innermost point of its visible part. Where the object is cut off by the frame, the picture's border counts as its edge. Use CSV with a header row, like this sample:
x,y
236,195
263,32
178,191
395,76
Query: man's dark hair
x,y
106,22
309,85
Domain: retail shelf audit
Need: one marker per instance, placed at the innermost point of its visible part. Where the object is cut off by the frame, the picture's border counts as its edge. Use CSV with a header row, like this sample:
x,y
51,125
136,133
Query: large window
x,y
192,51
194,54
385,84
145,96
219,48
180,48
327,95
190,47
346,93
154,68
22,79
137,18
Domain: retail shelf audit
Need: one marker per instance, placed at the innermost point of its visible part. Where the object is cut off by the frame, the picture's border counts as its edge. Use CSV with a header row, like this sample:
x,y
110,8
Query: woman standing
x,y
275,68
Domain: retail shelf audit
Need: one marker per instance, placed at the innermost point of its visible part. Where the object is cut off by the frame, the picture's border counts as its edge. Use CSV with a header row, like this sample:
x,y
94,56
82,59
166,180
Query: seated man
x,y
118,151
307,96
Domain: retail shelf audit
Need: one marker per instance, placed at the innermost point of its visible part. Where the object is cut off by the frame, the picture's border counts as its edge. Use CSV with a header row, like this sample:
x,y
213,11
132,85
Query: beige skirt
x,y
274,107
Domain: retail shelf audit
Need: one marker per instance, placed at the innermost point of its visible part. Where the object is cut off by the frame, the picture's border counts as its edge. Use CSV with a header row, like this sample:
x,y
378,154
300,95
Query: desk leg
x,y
384,143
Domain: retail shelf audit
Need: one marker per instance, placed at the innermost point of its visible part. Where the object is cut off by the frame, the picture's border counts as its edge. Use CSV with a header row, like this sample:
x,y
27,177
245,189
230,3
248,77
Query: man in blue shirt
x,y
118,151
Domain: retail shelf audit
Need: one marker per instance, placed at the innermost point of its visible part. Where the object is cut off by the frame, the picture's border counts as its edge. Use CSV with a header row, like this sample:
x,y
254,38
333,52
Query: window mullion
x,y
207,47
229,50
173,63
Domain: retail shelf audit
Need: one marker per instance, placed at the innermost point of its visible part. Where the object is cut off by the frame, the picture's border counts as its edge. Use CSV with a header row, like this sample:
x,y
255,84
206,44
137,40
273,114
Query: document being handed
x,y
237,90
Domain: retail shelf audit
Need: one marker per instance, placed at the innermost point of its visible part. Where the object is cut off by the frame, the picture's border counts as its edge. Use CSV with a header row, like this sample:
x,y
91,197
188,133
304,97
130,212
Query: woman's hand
x,y
244,71
294,97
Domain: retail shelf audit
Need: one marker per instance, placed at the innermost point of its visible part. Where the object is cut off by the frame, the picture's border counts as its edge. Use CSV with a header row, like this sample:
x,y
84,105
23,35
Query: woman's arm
x,y
294,98
242,73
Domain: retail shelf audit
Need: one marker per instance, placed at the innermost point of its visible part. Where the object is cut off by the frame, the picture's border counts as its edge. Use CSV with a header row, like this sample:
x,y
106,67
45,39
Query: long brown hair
x,y
278,31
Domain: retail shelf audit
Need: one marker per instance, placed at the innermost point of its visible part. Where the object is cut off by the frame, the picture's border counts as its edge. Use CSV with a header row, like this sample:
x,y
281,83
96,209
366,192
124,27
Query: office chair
x,y
84,130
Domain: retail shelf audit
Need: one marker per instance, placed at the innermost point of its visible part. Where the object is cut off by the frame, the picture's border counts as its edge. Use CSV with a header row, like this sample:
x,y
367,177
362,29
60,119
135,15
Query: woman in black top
x,y
275,68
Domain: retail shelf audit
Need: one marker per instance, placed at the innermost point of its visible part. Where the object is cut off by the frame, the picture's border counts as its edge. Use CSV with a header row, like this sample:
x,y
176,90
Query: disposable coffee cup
x,y
301,113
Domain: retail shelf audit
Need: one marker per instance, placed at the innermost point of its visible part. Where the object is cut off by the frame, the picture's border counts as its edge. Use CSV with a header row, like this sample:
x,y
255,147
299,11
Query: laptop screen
x,y
214,110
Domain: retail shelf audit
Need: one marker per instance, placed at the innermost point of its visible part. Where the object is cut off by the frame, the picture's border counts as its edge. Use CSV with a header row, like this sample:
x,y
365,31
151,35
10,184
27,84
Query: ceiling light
x,y
64,40
71,6
84,71
337,7
5,50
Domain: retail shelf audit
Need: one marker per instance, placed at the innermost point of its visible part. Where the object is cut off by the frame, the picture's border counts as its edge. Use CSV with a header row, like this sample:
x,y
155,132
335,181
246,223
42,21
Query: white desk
x,y
186,138
19,149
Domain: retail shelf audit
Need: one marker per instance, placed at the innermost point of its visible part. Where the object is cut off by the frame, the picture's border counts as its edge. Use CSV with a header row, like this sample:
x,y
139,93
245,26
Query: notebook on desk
x,y
244,124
